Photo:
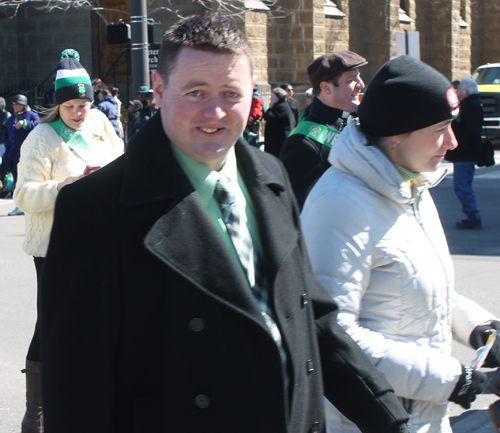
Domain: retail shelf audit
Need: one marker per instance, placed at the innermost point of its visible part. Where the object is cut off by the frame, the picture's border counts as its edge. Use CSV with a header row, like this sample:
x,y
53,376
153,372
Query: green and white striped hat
x,y
72,81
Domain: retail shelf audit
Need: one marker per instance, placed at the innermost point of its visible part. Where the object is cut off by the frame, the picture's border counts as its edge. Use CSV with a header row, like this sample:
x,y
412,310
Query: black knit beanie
x,y
404,96
72,81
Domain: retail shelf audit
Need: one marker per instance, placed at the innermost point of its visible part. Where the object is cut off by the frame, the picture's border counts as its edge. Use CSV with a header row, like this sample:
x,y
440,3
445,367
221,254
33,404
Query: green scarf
x,y
76,143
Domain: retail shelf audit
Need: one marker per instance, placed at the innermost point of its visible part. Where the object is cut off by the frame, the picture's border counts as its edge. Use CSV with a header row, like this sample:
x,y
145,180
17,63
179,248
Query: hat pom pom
x,y
69,53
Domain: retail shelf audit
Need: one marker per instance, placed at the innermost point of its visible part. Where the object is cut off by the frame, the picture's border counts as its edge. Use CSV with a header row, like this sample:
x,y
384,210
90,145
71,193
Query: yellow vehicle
x,y
488,79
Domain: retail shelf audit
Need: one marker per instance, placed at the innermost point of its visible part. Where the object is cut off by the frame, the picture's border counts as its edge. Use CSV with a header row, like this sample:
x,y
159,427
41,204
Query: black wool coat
x,y
306,159
279,123
467,128
148,325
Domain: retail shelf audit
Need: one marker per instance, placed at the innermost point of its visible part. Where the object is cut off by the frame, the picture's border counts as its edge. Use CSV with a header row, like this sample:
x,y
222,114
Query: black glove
x,y
478,338
469,385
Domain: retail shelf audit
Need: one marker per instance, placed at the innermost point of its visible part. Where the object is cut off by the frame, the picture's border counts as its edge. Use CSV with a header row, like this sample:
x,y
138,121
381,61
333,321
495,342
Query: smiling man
x,y
336,86
177,296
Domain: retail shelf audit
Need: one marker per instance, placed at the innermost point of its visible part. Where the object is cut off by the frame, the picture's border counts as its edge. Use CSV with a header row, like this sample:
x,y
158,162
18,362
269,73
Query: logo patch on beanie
x,y
81,89
453,100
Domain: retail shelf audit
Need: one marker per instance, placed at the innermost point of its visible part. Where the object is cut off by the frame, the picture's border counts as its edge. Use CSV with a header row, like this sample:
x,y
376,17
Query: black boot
x,y
33,418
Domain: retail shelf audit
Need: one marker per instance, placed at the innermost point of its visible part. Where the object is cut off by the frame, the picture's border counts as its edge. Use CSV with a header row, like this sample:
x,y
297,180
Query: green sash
x,y
76,143
322,133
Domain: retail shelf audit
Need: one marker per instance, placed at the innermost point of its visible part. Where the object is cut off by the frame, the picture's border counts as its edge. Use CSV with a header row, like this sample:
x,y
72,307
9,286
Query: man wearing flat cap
x,y
336,86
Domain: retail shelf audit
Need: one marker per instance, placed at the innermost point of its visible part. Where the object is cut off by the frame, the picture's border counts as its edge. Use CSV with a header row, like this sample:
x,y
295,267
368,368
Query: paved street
x,y
476,255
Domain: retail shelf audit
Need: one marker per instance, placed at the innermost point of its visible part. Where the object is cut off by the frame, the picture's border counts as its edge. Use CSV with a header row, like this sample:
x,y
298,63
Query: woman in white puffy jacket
x,y
55,154
377,245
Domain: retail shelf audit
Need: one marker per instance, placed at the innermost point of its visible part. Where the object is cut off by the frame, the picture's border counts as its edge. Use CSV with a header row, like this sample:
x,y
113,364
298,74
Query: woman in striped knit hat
x,y
69,138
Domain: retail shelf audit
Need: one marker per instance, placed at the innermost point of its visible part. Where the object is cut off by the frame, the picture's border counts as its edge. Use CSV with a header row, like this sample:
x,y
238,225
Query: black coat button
x,y
303,300
202,401
197,324
315,428
310,365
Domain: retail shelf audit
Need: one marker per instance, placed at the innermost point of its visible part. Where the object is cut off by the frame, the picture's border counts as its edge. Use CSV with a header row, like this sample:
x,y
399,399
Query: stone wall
x,y
337,29
485,34
32,42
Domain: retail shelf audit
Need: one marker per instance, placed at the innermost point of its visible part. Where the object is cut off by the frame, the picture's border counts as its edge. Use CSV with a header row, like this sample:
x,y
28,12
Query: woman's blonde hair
x,y
48,115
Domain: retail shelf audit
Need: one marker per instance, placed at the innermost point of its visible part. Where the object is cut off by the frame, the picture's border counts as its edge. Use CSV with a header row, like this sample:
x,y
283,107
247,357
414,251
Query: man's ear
x,y
158,87
326,87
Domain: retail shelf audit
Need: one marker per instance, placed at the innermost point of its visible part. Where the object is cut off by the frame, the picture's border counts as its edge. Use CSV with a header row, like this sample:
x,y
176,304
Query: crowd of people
x,y
232,291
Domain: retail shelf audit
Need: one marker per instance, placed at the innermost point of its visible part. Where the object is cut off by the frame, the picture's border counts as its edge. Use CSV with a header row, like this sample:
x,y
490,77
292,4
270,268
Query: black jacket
x,y
306,159
279,123
467,128
149,324
294,106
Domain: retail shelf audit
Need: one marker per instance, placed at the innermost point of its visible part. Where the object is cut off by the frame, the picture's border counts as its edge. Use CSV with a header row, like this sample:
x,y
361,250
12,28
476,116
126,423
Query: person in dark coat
x,y
16,130
4,116
109,107
336,86
279,122
155,319
294,104
467,128
133,111
147,112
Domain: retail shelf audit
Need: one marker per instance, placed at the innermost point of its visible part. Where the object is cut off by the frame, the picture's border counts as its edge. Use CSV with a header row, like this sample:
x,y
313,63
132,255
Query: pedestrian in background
x,y
97,85
109,107
176,295
133,111
294,104
4,116
467,128
309,100
115,92
337,84
252,131
148,110
377,246
70,137
16,130
279,122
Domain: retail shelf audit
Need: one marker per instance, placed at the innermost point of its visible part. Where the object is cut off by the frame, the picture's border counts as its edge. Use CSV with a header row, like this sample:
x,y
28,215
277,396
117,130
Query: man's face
x,y
205,105
462,92
289,90
345,96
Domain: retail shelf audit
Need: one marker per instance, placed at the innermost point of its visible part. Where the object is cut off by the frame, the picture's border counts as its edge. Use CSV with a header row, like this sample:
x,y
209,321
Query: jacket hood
x,y
352,154
109,98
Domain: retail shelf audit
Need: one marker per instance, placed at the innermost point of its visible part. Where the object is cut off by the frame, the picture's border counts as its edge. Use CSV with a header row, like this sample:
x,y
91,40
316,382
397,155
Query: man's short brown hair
x,y
209,32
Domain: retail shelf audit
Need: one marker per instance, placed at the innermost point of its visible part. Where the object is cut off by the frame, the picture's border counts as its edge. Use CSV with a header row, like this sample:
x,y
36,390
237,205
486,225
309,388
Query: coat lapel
x,y
264,179
184,238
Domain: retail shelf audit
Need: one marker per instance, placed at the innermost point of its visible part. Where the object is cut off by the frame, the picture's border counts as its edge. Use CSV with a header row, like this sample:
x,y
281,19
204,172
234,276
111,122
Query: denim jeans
x,y
463,174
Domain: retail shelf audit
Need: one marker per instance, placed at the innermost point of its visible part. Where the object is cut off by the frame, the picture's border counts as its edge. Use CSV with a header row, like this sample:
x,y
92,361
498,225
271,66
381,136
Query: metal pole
x,y
139,45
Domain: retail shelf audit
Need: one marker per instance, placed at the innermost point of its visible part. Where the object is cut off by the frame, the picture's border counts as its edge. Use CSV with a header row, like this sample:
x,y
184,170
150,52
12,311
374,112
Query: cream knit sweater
x,y
47,160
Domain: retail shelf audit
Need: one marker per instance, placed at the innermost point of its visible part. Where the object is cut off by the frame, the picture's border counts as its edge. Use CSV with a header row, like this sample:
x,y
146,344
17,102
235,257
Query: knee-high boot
x,y
33,418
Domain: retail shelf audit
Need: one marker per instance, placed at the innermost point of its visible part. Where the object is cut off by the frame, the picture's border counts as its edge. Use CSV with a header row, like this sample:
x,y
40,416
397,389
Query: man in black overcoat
x,y
155,318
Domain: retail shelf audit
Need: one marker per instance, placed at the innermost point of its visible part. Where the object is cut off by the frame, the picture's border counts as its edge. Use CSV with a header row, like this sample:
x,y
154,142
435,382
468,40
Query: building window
x,y
404,12
462,20
332,10
256,5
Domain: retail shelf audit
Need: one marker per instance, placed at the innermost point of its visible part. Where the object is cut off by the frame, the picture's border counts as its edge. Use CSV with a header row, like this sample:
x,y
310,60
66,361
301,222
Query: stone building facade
x,y
455,36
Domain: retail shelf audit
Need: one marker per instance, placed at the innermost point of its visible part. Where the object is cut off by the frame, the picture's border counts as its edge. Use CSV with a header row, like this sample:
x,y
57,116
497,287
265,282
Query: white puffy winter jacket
x,y
383,257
